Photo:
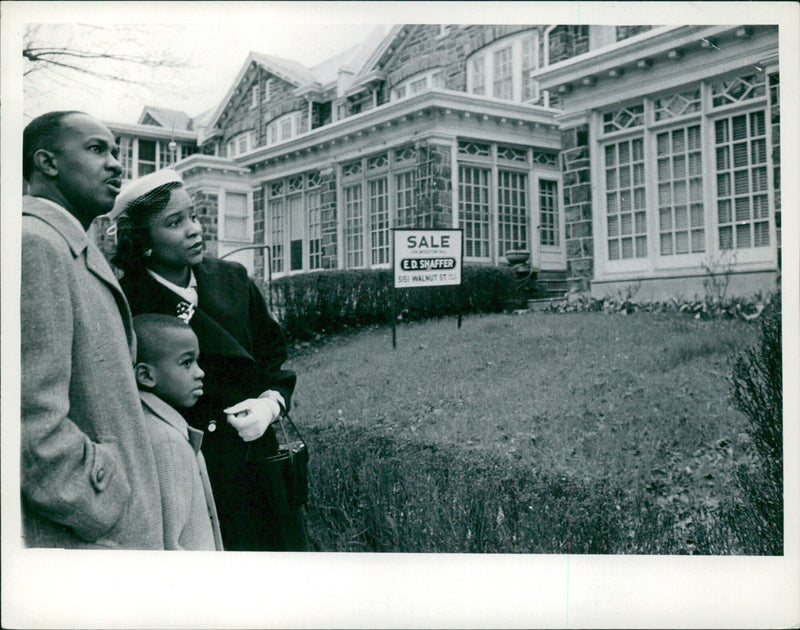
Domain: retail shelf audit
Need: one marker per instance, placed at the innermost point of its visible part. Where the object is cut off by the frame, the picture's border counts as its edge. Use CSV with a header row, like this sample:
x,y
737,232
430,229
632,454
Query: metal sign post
x,y
426,258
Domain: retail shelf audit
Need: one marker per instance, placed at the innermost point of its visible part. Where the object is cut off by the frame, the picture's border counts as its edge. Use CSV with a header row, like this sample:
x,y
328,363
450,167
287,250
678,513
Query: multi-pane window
x,y
623,118
502,68
277,230
473,199
742,191
283,128
126,156
147,156
353,226
240,144
626,212
418,85
286,129
478,75
738,89
254,97
404,185
235,218
677,104
548,212
512,216
314,230
165,156
529,63
503,74
680,191
379,220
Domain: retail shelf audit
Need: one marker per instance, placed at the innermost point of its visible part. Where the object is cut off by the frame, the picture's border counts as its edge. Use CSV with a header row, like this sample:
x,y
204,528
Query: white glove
x,y
251,417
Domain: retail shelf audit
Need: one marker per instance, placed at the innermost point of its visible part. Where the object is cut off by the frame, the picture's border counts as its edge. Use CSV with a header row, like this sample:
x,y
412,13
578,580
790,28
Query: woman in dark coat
x,y
242,350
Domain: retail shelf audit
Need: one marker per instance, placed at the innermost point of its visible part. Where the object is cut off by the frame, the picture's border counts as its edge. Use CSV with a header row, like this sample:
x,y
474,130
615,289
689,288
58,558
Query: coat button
x,y
212,426
101,474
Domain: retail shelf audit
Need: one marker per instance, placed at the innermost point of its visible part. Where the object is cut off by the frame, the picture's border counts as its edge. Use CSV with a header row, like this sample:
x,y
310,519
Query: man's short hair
x,y
152,330
43,132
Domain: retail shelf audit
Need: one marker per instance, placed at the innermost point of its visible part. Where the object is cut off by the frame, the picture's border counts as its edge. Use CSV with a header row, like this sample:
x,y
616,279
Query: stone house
x,y
632,158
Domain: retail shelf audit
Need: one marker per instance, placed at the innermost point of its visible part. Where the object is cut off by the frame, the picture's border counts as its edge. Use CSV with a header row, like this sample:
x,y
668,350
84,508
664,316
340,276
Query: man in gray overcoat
x,y
88,473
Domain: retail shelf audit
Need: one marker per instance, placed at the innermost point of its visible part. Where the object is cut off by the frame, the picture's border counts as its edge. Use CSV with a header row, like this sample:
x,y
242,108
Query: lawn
x,y
543,433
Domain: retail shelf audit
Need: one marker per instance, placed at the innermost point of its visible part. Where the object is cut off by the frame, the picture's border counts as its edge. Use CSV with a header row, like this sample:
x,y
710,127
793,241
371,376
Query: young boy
x,y
169,377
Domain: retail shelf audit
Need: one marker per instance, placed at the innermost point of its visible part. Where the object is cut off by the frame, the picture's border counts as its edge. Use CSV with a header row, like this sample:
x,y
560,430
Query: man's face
x,y
88,171
178,377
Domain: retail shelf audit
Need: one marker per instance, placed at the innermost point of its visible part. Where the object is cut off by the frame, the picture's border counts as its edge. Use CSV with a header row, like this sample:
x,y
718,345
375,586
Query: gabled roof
x,y
168,118
384,46
353,59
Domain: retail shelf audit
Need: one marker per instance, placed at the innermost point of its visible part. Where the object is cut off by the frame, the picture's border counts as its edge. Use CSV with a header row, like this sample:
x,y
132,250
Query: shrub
x,y
743,308
332,301
370,492
757,390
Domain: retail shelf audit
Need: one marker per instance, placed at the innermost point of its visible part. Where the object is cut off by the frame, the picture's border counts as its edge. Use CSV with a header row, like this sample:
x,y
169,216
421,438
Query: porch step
x,y
551,284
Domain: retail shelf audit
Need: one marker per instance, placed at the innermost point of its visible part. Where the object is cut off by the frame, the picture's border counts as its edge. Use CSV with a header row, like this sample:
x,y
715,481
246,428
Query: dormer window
x,y
284,128
417,83
241,144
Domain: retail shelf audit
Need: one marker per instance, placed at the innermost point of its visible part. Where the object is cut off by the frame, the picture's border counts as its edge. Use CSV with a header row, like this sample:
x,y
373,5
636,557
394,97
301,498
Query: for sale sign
x,y
427,258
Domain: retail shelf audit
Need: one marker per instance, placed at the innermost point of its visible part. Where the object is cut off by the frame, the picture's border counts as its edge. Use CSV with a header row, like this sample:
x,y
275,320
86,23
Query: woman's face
x,y
176,236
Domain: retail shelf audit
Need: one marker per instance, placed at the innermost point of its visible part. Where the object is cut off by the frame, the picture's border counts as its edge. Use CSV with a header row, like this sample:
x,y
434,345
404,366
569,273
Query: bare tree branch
x,y
136,55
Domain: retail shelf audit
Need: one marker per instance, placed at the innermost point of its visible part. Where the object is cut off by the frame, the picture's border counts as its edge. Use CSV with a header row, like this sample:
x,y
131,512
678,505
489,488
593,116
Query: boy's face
x,y
177,375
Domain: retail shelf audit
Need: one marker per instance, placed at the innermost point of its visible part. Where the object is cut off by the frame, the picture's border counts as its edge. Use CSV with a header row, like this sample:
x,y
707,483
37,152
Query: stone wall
x,y
568,41
328,219
577,196
239,117
434,187
206,204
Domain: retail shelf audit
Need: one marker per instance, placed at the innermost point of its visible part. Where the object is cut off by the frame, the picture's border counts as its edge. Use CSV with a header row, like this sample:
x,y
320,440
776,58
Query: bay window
x,y
685,177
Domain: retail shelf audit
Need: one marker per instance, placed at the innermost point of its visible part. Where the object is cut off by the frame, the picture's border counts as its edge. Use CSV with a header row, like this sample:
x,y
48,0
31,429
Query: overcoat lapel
x,y
79,242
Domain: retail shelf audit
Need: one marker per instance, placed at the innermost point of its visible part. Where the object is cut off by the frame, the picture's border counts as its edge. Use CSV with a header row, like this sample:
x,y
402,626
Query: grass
x,y
584,432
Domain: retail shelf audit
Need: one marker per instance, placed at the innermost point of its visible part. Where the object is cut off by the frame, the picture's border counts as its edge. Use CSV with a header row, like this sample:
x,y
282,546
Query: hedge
x,y
331,301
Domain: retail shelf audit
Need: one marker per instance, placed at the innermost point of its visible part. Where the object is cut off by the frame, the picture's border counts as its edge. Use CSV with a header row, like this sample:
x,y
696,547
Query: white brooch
x,y
185,311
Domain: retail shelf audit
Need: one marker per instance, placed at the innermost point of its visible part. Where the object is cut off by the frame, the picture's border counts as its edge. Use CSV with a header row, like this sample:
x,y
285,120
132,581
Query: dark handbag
x,y
284,475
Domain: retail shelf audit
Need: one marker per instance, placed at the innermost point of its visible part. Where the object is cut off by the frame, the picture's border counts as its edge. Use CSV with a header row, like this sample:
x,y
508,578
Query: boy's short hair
x,y
151,330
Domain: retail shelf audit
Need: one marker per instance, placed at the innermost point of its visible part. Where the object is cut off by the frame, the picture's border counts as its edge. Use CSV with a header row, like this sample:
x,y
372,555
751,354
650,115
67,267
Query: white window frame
x,y
254,93
425,79
234,145
313,228
559,223
223,198
484,60
706,117
276,126
379,234
523,221
354,226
